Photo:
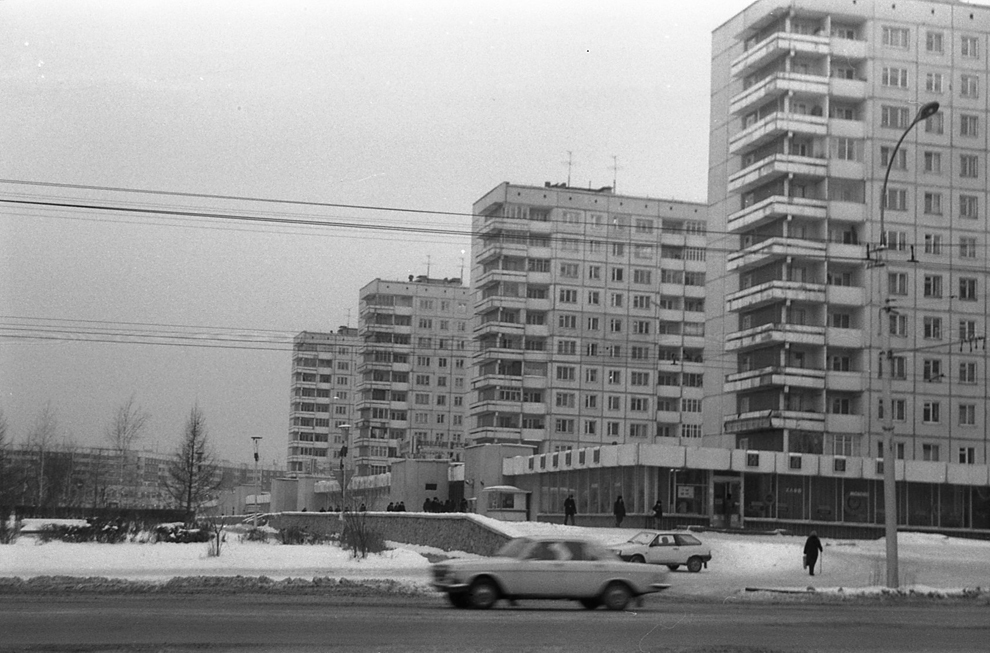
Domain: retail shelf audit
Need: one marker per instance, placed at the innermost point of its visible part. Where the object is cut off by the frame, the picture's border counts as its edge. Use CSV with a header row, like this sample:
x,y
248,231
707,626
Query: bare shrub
x,y
359,537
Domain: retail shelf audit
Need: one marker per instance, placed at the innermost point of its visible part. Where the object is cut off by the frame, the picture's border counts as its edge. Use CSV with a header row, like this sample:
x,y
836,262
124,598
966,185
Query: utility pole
x,y
887,366
257,480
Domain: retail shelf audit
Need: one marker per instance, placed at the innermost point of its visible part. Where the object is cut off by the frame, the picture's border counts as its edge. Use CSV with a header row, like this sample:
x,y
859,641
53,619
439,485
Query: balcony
x,y
775,334
774,166
779,84
778,45
848,49
847,89
854,212
846,295
498,274
851,424
776,125
773,208
775,291
845,338
767,377
496,326
774,419
846,381
774,248
496,301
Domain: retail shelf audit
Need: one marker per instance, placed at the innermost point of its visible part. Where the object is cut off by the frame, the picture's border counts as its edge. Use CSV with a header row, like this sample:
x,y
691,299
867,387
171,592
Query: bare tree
x,y
41,440
6,468
126,427
193,472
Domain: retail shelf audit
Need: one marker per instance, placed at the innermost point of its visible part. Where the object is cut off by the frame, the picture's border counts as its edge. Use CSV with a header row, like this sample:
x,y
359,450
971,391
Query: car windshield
x,y
514,548
643,538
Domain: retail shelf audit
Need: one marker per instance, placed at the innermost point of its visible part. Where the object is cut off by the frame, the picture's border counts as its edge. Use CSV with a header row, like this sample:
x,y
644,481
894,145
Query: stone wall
x,y
450,532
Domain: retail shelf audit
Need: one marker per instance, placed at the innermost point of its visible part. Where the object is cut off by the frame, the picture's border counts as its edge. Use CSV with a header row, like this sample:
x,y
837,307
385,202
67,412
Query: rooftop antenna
x,y
570,163
348,318
615,170
462,264
427,266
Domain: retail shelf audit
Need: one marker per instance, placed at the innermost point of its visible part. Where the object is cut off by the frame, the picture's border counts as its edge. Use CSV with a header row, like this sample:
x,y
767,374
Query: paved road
x,y
269,623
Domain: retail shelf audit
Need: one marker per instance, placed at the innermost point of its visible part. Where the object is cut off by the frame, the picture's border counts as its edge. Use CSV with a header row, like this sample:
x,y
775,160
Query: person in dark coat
x,y
401,507
570,509
619,510
812,547
658,514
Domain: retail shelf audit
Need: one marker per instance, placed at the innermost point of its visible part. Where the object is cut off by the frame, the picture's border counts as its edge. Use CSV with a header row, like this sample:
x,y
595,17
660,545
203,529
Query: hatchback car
x,y
665,548
546,568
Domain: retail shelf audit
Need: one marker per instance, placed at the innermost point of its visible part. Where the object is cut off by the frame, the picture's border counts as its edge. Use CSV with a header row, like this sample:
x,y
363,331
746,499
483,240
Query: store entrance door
x,y
727,494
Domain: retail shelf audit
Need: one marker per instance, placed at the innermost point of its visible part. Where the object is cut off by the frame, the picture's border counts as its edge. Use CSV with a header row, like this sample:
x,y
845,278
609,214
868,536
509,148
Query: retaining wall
x,y
450,532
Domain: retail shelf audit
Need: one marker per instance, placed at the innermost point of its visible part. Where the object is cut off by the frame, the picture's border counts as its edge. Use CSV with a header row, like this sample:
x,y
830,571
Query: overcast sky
x,y
411,105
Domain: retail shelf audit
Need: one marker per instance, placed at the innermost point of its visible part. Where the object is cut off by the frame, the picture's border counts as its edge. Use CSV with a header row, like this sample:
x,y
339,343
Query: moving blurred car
x,y
546,568
665,548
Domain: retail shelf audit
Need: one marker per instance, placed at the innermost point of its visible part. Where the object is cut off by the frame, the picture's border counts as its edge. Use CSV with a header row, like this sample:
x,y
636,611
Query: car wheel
x,y
589,604
639,559
616,596
694,564
458,599
482,594
673,567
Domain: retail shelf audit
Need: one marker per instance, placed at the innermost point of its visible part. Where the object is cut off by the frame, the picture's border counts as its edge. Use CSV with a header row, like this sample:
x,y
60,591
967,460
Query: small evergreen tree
x,y
193,473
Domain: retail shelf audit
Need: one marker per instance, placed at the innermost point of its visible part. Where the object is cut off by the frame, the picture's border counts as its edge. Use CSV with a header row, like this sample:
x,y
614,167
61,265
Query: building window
x,y
967,289
934,42
569,270
969,86
933,163
567,321
969,206
898,325
691,405
932,370
894,117
594,272
970,47
969,125
933,285
641,327
567,347
933,203
896,37
900,159
933,82
642,276
931,412
967,372
639,404
930,452
967,414
933,244
593,323
615,325
641,301
615,300
568,296
969,166
896,199
594,297
967,455
565,373
932,328
896,77
935,124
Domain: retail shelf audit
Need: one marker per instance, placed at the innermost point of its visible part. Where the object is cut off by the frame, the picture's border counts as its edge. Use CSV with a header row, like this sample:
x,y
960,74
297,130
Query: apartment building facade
x,y
809,101
589,317
413,372
322,398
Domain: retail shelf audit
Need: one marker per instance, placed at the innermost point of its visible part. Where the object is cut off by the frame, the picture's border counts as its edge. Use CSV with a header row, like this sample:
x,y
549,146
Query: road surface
x,y
419,624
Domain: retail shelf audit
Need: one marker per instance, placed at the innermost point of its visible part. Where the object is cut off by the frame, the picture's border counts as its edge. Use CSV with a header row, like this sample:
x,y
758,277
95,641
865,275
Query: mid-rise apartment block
x,y
324,368
809,101
589,312
413,372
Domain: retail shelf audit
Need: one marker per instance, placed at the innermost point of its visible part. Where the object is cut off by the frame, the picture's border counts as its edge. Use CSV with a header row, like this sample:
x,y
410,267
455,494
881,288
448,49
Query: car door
x,y
664,550
537,573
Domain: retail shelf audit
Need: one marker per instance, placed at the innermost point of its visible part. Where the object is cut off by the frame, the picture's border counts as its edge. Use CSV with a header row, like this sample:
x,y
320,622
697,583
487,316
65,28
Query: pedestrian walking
x,y
570,509
619,510
812,547
658,514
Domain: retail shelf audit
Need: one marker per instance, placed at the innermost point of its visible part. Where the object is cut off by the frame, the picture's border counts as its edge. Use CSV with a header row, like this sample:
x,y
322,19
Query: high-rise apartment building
x,y
413,372
324,368
809,101
589,315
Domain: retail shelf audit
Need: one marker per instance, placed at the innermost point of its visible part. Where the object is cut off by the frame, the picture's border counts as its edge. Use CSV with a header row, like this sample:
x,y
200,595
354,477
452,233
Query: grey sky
x,y
423,105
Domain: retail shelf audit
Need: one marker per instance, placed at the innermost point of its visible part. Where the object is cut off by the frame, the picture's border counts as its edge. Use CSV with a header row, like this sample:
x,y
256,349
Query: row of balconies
x,y
782,83
767,335
797,249
776,291
781,44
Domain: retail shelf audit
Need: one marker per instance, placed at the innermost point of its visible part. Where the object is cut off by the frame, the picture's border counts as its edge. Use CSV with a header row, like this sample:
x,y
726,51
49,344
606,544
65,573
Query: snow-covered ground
x,y
928,563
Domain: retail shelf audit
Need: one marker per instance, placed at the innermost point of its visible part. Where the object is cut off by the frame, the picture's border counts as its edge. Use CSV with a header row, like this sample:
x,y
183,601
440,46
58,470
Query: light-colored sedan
x,y
665,548
546,568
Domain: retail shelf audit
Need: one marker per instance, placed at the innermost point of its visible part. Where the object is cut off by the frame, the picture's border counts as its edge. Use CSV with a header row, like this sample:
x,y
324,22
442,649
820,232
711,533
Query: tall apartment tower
x,y
413,372
589,317
324,366
809,100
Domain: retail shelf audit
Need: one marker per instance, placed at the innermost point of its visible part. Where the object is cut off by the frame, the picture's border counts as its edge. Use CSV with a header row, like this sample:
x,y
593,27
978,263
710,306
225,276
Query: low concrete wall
x,y
450,532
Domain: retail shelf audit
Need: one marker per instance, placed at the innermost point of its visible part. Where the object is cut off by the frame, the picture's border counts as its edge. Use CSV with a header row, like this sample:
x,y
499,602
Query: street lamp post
x,y
257,479
345,428
889,480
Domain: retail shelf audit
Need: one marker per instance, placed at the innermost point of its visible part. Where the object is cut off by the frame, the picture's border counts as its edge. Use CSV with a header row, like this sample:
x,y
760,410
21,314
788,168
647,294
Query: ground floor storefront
x,y
756,490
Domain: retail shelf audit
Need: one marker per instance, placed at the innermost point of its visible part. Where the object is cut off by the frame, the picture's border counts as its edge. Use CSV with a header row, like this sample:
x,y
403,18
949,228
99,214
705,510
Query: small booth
x,y
505,502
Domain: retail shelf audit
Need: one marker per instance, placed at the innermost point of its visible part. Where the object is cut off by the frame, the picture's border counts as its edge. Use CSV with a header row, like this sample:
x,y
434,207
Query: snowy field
x,y
929,564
